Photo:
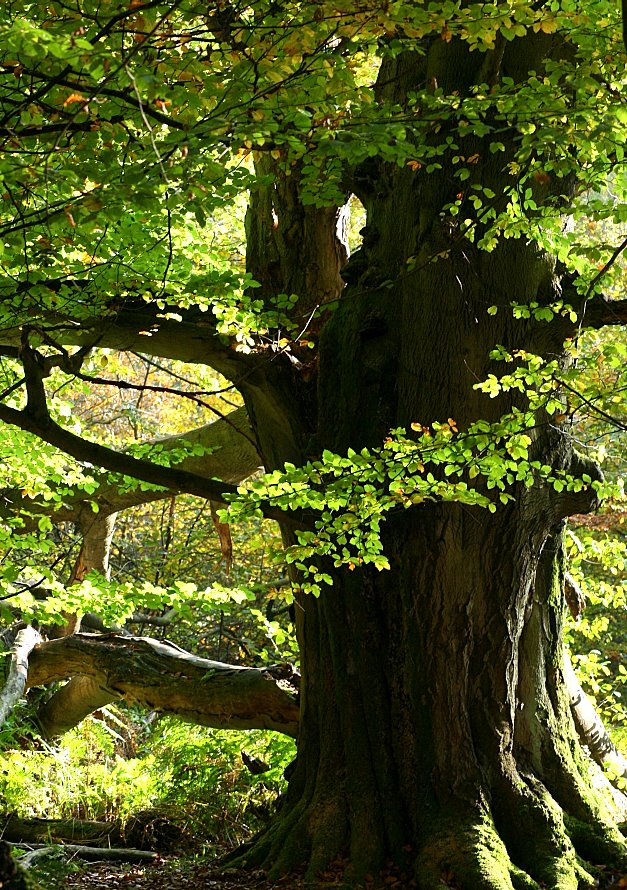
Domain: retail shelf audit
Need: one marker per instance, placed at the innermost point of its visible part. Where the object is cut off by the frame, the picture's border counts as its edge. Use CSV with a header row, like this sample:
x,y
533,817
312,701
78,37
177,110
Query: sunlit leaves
x,y
598,559
348,497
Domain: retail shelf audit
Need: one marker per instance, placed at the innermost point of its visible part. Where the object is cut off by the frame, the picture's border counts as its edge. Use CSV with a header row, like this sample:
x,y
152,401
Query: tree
x,y
413,406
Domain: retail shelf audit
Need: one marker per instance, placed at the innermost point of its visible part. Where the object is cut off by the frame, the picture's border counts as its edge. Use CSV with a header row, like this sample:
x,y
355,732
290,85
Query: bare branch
x,y
15,685
165,678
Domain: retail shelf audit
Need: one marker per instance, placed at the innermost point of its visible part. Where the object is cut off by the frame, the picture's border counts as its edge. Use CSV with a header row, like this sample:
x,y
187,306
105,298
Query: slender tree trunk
x,y
97,533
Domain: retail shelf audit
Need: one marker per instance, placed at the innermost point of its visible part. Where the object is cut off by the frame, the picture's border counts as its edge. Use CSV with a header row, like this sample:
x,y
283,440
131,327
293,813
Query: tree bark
x,y
15,685
435,729
435,726
11,875
160,676
590,727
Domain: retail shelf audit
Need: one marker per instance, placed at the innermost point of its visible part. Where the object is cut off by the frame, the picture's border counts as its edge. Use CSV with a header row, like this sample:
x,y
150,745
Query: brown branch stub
x,y
224,535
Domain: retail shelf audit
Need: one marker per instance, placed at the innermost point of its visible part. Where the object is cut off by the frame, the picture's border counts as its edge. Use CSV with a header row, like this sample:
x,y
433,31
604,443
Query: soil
x,y
164,875
174,875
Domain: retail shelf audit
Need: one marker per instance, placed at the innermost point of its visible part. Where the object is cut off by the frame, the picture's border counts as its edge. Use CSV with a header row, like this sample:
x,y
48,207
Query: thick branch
x,y
142,328
165,678
600,312
170,478
70,704
229,455
590,726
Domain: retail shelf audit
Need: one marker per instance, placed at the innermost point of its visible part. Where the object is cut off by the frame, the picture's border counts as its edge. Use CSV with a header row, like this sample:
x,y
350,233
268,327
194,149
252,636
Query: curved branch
x,y
165,678
170,478
228,454
137,327
590,726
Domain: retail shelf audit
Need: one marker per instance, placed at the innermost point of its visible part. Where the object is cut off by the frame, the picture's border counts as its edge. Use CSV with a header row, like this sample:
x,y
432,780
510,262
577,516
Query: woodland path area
x,y
164,875
173,876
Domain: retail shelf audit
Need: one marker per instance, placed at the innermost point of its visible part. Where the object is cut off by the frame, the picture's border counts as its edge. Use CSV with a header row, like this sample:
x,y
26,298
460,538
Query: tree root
x,y
468,855
530,844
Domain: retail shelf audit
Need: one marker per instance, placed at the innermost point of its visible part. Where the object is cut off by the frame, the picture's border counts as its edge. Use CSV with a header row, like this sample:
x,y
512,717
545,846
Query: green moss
x,y
521,880
597,843
471,854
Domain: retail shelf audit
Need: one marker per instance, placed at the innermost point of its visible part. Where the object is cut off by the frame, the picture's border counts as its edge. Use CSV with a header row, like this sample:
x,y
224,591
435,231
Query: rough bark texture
x,y
160,676
435,726
435,729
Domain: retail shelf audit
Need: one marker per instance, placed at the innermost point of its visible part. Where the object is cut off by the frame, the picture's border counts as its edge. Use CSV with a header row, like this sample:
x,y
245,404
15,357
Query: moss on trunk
x,y
435,730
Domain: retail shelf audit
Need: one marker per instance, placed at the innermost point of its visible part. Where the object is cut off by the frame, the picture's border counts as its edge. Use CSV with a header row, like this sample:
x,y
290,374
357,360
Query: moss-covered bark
x,y
435,729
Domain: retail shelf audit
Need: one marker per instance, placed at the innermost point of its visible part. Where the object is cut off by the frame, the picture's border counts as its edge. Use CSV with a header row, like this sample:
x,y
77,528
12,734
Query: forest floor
x,y
175,875
172,875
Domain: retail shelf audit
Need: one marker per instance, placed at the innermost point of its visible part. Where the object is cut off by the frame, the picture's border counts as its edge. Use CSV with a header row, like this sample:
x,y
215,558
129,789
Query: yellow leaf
x,y
548,26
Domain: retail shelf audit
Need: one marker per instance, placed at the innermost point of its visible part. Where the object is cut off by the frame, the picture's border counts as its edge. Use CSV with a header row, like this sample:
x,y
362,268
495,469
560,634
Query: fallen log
x,y
89,854
46,831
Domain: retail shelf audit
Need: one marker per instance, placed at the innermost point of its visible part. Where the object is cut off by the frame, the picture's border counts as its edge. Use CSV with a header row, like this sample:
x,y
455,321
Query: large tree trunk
x,y
435,727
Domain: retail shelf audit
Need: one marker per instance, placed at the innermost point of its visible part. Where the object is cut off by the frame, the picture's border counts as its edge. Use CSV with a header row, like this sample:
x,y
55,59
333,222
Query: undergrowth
x,y
116,766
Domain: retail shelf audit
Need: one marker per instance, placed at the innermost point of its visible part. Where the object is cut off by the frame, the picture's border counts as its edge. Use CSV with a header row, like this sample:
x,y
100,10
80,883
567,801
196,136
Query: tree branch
x,y
15,684
590,726
229,455
169,478
600,312
165,678
139,327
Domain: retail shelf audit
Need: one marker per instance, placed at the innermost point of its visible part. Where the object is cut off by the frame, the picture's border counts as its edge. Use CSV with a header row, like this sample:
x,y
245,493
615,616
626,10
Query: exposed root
x,y
469,855
527,843
534,828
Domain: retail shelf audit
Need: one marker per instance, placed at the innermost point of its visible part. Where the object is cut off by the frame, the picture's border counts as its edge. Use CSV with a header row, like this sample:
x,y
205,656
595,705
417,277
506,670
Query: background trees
x,y
417,406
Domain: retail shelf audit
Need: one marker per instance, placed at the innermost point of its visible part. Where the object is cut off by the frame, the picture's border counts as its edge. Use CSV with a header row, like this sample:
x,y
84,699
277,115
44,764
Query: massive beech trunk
x,y
435,727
